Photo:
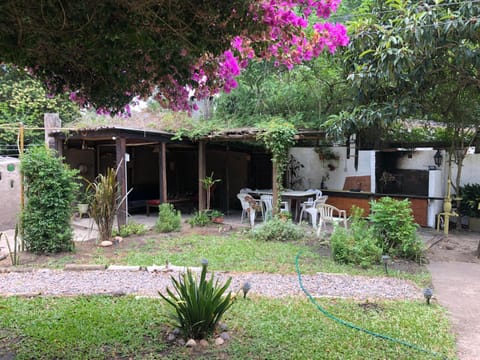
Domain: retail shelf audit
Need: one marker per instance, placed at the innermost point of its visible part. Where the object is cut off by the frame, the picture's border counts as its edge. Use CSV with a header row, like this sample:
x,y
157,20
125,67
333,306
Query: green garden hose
x,y
355,327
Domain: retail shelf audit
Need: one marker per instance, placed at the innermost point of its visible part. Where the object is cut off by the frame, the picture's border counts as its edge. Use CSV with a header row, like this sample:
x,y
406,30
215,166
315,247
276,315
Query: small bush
x,y
357,245
169,219
103,208
393,224
130,229
470,194
278,229
201,218
50,191
198,307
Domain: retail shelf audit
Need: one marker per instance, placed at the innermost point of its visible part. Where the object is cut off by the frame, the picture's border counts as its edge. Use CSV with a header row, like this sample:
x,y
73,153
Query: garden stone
x,y
219,341
106,243
225,336
203,343
181,342
81,267
222,326
117,239
123,268
171,337
176,331
191,343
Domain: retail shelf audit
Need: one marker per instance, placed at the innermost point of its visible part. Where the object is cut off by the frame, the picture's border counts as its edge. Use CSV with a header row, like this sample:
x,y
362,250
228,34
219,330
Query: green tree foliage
x,y
105,48
304,96
50,191
410,60
24,99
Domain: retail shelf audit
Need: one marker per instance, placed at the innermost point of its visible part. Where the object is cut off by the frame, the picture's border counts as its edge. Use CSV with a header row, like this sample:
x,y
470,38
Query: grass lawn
x,y
235,252
126,327
238,252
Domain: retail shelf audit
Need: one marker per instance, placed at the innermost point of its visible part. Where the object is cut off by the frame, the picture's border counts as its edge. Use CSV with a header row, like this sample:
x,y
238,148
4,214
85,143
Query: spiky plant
x,y
104,202
198,306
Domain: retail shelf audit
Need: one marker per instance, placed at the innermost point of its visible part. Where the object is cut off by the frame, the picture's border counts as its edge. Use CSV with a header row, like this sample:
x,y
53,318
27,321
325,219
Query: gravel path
x,y
143,283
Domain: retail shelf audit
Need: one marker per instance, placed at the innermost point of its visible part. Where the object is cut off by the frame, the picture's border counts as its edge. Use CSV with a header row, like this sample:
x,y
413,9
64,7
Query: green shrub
x,y
356,245
201,218
131,228
469,205
103,207
278,229
169,219
50,189
198,307
393,224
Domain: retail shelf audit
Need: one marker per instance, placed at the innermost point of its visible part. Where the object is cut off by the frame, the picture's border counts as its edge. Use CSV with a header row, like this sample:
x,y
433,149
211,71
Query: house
x,y
155,165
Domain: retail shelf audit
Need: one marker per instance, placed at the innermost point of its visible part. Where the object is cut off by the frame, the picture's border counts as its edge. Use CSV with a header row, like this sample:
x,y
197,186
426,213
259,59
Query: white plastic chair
x,y
313,210
249,207
330,214
267,206
309,203
245,190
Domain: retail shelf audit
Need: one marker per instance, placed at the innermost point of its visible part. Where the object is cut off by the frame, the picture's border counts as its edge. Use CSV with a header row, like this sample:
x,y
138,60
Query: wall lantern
x,y
438,158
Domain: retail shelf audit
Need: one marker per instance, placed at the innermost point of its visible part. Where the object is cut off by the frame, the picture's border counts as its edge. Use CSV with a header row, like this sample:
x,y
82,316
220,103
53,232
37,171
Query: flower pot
x,y
218,220
82,209
474,224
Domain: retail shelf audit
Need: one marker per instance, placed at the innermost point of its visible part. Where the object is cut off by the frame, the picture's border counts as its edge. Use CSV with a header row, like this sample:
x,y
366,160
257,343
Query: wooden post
x,y
59,147
227,179
202,171
162,158
51,121
21,137
120,149
274,188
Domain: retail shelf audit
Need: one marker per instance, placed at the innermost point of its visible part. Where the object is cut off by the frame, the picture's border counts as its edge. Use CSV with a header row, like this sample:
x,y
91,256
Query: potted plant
x,y
84,200
325,153
208,183
216,216
470,205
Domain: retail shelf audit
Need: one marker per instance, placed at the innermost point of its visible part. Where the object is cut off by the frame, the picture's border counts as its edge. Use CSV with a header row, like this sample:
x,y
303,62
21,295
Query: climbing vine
x,y
278,136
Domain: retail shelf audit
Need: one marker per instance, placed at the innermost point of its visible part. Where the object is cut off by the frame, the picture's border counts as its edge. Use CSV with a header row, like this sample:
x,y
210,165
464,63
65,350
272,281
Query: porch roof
x,y
251,133
112,132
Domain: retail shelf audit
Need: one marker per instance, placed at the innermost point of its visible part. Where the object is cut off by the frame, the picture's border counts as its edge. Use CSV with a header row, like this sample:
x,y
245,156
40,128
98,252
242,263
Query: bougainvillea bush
x,y
105,53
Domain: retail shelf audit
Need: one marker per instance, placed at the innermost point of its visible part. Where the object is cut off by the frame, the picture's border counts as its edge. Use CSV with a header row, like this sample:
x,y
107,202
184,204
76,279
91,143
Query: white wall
x,y
314,168
470,171
9,192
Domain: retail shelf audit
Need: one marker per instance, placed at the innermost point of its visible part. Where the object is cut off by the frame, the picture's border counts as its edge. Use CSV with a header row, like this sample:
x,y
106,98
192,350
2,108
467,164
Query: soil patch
x,y
458,246
89,252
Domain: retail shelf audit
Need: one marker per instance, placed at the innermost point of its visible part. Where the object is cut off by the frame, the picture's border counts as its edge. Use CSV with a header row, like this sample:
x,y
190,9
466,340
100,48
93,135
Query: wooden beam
x,y
162,157
227,178
274,187
202,172
120,150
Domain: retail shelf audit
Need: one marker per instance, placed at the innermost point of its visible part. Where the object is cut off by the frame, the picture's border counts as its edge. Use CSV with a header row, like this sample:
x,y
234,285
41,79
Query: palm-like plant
x,y
198,307
104,202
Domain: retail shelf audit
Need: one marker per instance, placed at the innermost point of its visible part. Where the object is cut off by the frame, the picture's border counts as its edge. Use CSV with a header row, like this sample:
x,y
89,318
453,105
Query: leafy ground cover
x,y
260,328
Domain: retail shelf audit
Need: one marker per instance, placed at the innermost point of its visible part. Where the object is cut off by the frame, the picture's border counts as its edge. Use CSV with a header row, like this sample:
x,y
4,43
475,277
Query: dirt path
x,y
455,273
457,288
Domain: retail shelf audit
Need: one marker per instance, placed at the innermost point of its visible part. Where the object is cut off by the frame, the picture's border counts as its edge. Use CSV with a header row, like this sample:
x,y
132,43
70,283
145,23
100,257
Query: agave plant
x,y
103,206
198,307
